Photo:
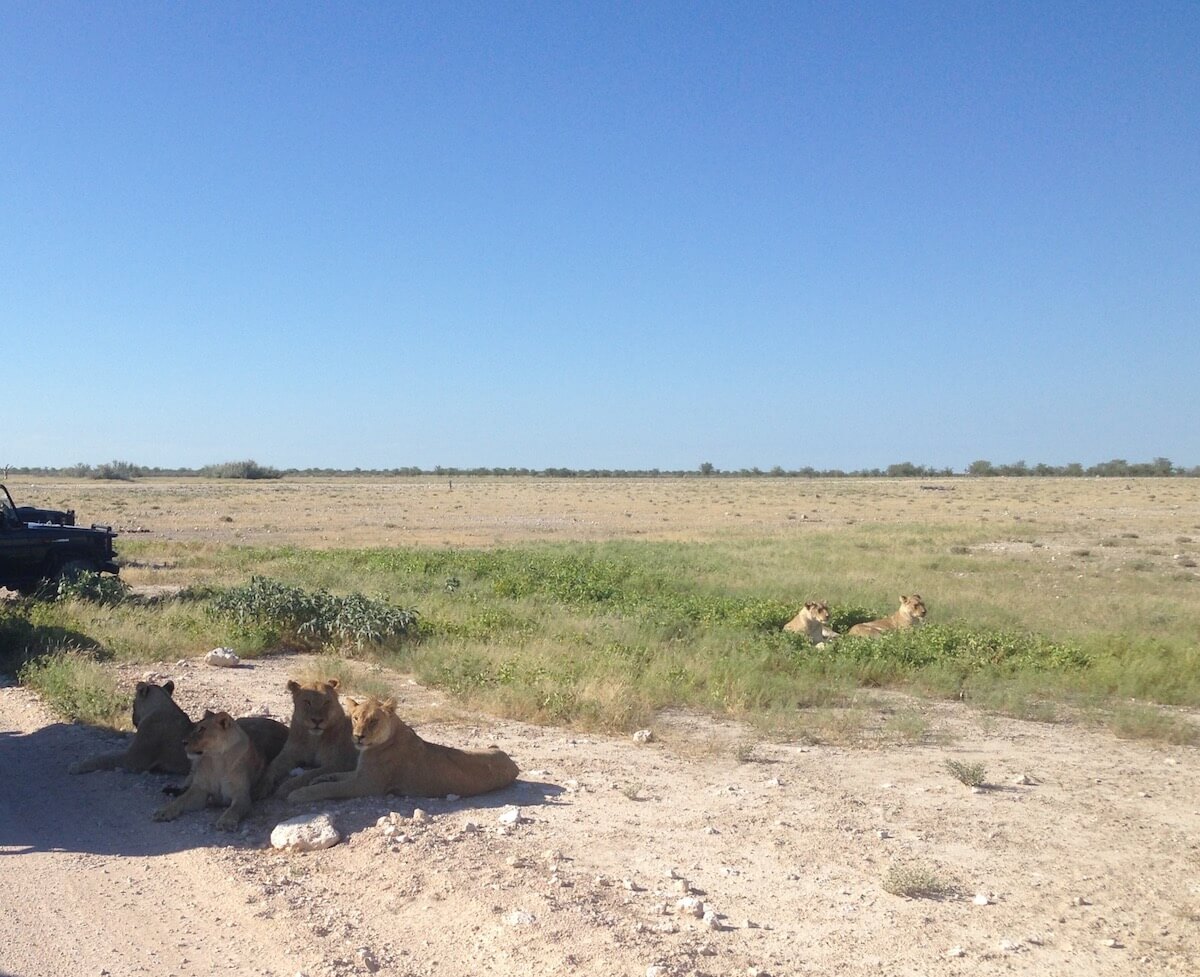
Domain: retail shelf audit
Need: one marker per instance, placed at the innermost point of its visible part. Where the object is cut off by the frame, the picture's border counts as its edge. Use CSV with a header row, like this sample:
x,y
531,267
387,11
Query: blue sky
x,y
599,235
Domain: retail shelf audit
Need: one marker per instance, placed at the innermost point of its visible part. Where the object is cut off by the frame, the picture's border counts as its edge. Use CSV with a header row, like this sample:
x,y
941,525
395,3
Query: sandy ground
x,y
1083,857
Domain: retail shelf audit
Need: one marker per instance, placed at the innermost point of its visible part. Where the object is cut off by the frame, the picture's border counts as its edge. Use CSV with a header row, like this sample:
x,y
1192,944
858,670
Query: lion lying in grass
x,y
394,759
225,766
910,615
813,620
319,736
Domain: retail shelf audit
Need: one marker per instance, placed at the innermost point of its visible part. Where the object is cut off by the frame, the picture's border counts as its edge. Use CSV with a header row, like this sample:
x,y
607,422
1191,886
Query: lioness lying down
x,y
225,766
160,730
394,759
319,736
910,615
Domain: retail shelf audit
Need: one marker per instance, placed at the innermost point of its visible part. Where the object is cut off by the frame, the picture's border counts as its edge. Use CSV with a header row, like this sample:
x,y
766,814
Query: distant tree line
x,y
1117,468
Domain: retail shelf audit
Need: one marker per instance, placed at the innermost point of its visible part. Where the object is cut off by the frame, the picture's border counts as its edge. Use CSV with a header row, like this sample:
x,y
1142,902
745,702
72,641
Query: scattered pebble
x,y
956,952
510,816
518,917
690,906
981,899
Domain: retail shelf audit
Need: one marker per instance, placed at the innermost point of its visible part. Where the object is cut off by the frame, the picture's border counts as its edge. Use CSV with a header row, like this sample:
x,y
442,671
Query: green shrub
x,y
94,588
265,606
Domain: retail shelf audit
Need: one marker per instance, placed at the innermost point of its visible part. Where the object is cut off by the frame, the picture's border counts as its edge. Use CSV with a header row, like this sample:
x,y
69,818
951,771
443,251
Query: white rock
x,y
306,833
981,899
1024,779
690,906
222,658
419,815
518,917
654,970
510,816
956,952
643,736
711,921
367,959
453,797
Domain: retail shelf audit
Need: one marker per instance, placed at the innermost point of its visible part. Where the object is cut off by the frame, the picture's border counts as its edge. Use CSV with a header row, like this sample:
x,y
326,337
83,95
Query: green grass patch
x,y
606,635
77,687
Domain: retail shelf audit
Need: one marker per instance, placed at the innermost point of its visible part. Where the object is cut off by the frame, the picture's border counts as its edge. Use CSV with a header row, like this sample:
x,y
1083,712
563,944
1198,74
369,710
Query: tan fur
x,y
319,736
160,729
910,615
813,620
394,759
225,766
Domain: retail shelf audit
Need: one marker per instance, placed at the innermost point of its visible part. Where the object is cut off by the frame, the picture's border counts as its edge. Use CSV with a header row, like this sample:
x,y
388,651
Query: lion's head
x,y
913,608
213,734
818,610
315,705
150,699
373,722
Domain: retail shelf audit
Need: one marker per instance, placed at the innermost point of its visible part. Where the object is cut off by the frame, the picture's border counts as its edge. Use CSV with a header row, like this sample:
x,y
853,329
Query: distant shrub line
x,y
1116,468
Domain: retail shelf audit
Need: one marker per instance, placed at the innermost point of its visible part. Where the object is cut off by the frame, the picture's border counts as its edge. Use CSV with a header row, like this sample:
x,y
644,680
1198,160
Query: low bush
x,y
290,613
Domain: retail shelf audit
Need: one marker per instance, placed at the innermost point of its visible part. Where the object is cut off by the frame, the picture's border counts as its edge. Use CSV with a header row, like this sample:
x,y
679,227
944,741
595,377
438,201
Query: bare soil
x,y
1081,856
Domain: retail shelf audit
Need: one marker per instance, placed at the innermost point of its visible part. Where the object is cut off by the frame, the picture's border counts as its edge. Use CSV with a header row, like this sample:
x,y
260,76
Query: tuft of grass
x,y
916,881
1139,721
77,687
968,774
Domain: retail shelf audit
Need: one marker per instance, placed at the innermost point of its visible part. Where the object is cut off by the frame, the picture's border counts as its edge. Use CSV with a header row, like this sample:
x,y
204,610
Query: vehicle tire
x,y
73,568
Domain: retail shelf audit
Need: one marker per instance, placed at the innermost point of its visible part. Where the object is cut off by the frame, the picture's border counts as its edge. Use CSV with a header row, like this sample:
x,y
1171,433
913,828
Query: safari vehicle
x,y
42,545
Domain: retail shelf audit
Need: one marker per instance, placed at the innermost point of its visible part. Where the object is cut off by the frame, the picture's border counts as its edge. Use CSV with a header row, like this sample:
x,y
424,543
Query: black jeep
x,y
40,545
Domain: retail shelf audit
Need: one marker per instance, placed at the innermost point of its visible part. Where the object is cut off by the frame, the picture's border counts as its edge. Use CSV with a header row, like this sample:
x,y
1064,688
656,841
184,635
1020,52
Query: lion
x,y
392,758
813,620
910,615
319,736
160,727
225,766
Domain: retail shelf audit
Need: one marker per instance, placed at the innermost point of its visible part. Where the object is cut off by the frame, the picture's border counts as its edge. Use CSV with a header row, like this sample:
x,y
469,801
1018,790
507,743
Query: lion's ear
x,y
208,713
168,686
224,720
333,683
903,599
388,704
293,686
142,687
809,605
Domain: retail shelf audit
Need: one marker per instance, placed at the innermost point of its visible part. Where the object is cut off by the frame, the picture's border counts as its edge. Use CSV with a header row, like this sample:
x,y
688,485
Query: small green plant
x,y
969,774
915,881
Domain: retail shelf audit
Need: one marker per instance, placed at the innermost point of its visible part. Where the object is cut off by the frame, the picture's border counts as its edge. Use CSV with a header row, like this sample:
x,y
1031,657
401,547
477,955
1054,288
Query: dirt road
x,y
1089,865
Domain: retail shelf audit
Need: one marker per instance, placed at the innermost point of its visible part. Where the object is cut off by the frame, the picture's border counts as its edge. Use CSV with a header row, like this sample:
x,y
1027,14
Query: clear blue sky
x,y
598,235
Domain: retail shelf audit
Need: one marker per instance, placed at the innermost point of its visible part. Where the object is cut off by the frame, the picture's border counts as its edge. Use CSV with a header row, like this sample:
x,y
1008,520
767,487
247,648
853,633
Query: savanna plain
x,y
1013,787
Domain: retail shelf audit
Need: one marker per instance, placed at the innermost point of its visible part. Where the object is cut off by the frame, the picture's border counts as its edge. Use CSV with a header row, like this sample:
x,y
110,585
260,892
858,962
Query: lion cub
x,y
225,766
813,620
394,759
319,736
910,615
